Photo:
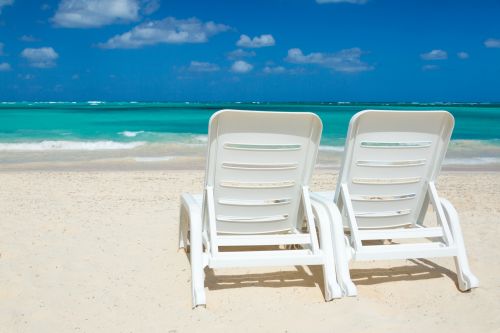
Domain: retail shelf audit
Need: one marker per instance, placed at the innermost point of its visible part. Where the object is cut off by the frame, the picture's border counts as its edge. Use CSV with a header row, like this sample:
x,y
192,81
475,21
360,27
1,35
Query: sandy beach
x,y
110,110
96,251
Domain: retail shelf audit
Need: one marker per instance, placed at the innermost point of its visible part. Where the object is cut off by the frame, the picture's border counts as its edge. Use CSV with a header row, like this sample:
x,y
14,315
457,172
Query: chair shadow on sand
x,y
422,269
287,277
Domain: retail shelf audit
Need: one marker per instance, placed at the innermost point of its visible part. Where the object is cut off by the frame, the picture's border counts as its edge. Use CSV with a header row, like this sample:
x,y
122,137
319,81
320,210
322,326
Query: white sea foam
x,y
154,159
339,149
201,138
327,165
69,145
472,161
130,134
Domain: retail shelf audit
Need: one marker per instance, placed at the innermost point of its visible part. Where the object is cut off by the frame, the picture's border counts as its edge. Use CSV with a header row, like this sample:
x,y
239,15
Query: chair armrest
x,y
325,199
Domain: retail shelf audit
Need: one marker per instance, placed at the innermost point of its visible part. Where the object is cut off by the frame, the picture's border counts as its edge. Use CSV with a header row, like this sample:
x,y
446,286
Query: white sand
x,y
96,252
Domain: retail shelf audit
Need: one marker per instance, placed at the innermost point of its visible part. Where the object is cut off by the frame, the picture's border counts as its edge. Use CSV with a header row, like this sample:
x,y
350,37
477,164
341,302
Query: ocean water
x,y
160,132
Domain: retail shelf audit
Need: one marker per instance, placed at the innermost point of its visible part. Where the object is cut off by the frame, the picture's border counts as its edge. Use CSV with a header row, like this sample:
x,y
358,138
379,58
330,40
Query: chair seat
x,y
405,251
401,233
329,195
265,258
198,197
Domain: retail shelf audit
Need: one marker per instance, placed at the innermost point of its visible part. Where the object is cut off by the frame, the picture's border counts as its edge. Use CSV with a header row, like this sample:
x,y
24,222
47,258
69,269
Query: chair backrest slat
x,y
390,157
257,163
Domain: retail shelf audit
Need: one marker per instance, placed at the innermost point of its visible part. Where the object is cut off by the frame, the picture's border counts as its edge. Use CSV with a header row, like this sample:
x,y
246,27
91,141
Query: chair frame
x,y
198,230
446,238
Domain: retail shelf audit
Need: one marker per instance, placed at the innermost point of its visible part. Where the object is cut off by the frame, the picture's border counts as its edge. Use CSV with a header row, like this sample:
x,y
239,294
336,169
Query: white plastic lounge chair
x,y
387,180
256,194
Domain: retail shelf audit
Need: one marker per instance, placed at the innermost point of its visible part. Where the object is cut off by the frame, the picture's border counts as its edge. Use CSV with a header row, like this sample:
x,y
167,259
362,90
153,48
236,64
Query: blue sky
x,y
274,50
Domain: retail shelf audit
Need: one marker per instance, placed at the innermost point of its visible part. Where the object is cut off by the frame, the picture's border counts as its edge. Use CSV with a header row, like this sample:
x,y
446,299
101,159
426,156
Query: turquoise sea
x,y
154,132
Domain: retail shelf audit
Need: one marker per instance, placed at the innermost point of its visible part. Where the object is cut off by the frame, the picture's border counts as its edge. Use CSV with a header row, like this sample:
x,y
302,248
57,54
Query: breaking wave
x,y
69,145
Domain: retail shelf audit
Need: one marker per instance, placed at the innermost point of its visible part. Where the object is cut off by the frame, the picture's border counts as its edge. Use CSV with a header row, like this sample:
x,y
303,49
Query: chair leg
x,y
466,280
183,228
340,249
342,258
190,220
332,288
197,266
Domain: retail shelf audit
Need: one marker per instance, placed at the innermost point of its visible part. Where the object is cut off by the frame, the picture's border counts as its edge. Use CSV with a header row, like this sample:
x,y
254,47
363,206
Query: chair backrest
x,y
389,158
257,164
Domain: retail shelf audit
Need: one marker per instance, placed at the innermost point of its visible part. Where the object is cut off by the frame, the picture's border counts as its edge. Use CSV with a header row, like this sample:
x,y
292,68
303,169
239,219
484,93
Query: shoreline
x,y
471,155
180,164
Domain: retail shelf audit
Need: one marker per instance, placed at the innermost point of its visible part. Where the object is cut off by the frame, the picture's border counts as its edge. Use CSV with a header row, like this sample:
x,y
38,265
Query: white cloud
x,y
256,42
203,67
347,60
241,66
430,67
4,3
43,57
95,13
434,55
463,55
5,67
357,2
28,38
169,30
239,53
150,6
58,88
274,70
492,43
26,76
